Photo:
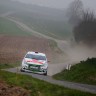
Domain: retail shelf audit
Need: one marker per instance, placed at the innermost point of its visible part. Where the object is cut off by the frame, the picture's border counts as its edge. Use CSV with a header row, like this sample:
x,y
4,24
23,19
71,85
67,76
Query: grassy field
x,y
59,30
38,87
53,28
9,28
83,72
47,23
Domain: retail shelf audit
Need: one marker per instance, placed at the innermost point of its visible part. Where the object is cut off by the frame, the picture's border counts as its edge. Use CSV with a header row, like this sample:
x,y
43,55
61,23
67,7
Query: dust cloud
x,y
77,52
81,52
73,53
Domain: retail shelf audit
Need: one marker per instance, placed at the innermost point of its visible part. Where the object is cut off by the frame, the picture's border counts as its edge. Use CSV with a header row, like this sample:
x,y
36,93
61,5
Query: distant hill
x,y
48,21
10,5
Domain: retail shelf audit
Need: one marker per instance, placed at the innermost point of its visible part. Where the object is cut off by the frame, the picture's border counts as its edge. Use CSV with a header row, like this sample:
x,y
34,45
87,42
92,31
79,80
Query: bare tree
x,y
74,11
85,31
88,16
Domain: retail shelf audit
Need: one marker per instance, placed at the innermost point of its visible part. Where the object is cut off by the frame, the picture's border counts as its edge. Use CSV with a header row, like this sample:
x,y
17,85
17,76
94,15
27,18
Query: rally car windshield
x,y
37,57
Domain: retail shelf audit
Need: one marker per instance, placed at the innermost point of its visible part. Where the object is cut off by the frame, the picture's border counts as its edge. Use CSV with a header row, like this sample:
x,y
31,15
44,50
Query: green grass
x,y
10,28
4,66
38,87
83,72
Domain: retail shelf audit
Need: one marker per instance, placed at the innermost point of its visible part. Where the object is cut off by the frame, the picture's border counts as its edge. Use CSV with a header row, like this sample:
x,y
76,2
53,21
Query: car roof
x,y
36,53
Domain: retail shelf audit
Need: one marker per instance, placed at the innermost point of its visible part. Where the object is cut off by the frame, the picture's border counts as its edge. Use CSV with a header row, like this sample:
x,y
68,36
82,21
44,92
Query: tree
x,y
85,31
74,12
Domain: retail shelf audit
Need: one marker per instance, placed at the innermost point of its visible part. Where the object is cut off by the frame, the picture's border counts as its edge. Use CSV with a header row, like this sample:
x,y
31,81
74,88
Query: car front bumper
x,y
32,71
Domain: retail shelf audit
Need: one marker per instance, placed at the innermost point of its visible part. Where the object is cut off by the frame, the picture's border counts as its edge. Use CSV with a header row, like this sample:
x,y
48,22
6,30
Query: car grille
x,y
34,67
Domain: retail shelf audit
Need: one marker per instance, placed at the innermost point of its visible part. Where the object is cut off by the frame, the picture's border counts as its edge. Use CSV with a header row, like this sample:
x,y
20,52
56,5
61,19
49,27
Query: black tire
x,y
45,73
22,70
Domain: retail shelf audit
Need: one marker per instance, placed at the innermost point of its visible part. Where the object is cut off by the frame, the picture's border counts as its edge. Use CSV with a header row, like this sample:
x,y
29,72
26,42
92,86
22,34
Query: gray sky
x,y
59,3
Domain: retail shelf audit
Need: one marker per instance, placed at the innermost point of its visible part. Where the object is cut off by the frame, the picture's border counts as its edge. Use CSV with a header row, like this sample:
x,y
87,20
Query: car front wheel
x,y
45,73
22,70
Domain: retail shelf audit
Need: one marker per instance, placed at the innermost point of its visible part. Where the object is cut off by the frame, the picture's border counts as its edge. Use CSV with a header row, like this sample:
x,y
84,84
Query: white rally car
x,y
35,62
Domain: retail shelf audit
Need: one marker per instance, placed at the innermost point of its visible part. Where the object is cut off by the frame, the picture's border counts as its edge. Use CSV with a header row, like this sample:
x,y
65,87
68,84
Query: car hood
x,y
34,61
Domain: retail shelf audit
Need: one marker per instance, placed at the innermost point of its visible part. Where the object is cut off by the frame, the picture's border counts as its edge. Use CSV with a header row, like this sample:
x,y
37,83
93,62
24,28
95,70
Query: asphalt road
x,y
77,86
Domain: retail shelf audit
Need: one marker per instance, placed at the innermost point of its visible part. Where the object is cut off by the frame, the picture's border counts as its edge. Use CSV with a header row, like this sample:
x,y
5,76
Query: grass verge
x,y
10,28
38,87
4,66
83,72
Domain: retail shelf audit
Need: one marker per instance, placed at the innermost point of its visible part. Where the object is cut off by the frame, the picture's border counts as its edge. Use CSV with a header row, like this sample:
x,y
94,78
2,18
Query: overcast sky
x,y
60,3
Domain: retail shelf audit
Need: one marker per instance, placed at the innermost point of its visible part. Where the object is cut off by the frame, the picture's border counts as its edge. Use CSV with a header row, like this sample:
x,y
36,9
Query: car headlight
x,y
25,62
